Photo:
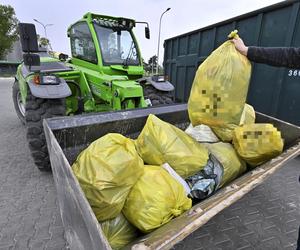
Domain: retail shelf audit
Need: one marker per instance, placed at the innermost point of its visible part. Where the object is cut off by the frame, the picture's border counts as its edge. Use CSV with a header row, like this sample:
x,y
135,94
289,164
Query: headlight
x,y
50,79
46,79
159,78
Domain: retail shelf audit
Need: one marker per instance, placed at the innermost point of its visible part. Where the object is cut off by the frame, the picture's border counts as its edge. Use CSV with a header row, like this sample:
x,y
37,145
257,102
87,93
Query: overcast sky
x,y
183,17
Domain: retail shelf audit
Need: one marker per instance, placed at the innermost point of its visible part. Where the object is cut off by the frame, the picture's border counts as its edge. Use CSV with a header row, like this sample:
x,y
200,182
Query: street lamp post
x,y
45,27
159,38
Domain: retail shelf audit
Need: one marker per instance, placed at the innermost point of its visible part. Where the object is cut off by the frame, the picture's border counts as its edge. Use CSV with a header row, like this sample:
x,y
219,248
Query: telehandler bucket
x,y
68,136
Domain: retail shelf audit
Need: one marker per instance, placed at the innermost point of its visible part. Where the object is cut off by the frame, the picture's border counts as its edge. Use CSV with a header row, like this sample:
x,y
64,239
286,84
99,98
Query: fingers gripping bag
x,y
106,172
257,143
160,142
118,231
155,199
220,87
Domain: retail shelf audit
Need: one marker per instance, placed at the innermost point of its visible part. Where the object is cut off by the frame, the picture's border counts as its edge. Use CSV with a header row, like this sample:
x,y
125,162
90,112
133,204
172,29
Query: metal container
x,y
274,26
68,136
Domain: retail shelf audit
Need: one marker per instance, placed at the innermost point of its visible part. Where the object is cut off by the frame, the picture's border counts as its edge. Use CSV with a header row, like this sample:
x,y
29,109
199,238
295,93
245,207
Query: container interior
x,y
76,133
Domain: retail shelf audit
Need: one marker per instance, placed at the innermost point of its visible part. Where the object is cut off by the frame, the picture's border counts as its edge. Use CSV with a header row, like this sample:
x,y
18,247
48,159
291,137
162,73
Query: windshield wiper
x,y
125,62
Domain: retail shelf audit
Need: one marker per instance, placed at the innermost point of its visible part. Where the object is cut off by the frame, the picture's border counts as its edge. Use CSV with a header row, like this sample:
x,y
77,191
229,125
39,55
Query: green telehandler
x,y
104,73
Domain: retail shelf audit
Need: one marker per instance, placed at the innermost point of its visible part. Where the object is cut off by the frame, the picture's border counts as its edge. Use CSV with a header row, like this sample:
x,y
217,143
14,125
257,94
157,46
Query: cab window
x,y
82,45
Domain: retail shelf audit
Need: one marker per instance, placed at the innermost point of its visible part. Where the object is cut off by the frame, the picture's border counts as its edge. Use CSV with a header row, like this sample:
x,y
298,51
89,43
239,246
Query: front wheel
x,y
38,109
157,97
19,105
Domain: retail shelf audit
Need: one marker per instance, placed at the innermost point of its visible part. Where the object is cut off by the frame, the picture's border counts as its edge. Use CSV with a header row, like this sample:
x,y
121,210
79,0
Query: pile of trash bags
x,y
127,186
224,123
136,186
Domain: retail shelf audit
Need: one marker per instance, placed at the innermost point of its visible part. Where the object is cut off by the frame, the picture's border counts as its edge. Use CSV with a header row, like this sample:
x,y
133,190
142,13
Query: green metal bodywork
x,y
103,87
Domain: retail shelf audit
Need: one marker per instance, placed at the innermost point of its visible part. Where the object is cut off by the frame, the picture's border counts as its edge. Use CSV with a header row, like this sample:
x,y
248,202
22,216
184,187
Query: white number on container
x,y
294,73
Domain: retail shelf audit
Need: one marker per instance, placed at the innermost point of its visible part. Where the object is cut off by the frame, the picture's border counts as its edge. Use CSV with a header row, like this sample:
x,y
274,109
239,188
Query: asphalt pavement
x,y
266,218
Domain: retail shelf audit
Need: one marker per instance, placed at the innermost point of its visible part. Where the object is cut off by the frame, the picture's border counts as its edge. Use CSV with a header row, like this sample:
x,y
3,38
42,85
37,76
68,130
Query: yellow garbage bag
x,y
248,115
220,87
233,165
226,133
155,199
160,142
257,143
119,232
106,172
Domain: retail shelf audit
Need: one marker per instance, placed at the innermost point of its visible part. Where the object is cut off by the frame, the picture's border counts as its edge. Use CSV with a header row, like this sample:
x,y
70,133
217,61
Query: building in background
x,y
16,53
9,65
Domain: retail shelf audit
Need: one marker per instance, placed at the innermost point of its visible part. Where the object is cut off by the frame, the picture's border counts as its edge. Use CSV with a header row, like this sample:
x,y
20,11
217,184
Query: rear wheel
x,y
19,105
157,97
38,109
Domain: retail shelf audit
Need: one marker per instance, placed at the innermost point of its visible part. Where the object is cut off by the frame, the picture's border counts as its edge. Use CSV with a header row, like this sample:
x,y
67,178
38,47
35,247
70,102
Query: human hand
x,y
240,46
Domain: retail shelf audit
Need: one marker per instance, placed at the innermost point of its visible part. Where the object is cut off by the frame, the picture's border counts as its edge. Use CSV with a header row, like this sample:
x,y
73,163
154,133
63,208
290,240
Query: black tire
x,y
19,106
38,109
157,97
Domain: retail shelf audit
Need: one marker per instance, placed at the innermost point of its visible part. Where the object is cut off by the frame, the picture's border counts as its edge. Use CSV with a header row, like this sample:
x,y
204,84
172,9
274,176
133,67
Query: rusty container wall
x,y
68,136
277,25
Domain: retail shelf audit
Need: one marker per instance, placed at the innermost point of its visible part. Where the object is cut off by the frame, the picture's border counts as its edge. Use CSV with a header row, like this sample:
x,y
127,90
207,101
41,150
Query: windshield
x,y
117,46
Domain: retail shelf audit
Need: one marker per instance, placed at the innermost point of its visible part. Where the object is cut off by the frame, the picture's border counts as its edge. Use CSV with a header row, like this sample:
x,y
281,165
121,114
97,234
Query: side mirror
x,y
28,37
147,32
63,57
31,60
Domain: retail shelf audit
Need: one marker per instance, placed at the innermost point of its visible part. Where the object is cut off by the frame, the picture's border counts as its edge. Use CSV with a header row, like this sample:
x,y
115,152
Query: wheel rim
x,y
20,103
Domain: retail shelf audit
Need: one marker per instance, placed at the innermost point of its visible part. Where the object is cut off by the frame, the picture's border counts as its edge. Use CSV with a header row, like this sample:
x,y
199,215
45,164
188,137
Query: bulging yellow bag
x,y
155,199
160,142
248,115
257,143
106,172
226,133
233,165
220,87
118,231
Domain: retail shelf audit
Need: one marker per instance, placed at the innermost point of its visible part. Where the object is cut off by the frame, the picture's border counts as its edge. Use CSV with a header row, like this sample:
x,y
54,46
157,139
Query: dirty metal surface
x,y
266,218
29,215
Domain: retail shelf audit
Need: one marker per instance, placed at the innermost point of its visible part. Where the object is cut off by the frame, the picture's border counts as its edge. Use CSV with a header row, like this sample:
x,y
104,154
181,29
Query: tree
x,y
8,29
44,42
152,62
151,66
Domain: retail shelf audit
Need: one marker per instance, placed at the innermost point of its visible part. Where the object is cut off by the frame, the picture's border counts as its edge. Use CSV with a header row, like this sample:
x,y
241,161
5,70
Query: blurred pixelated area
x,y
259,136
257,143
